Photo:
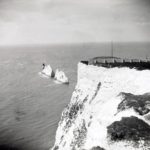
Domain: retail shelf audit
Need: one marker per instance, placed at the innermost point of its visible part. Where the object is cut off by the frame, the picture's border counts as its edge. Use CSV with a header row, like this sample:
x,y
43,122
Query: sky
x,y
27,22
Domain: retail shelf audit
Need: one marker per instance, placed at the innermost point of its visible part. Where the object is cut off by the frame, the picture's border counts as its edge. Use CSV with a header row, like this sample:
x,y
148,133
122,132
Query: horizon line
x,y
67,44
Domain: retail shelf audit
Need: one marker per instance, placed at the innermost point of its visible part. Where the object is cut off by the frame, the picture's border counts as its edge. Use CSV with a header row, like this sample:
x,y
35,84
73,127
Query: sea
x,y
31,105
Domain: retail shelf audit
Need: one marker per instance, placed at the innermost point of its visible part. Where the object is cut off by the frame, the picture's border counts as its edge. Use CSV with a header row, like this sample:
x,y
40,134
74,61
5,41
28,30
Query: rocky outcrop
x,y
61,77
109,109
48,71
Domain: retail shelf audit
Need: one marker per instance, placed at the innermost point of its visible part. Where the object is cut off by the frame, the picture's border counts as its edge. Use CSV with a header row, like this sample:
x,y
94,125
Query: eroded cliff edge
x,y
109,109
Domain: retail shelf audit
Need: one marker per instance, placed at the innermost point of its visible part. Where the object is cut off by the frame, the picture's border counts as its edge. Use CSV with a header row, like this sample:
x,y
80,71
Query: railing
x,y
110,62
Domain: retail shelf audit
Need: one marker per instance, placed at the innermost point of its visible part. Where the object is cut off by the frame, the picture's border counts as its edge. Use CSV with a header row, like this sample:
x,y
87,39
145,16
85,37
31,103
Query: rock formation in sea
x,y
61,77
48,71
109,108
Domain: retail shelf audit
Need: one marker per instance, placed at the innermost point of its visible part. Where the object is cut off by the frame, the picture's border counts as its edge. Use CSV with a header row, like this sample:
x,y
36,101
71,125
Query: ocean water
x,y
31,106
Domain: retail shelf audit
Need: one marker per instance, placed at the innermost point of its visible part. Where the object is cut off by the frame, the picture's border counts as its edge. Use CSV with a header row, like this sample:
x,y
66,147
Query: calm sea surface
x,y
31,106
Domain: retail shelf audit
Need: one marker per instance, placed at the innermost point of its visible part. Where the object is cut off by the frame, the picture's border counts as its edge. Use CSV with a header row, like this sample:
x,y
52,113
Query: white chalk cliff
x,y
109,110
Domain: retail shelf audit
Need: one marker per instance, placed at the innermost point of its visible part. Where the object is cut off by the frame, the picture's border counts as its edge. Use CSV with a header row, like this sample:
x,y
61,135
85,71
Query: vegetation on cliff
x,y
140,103
130,129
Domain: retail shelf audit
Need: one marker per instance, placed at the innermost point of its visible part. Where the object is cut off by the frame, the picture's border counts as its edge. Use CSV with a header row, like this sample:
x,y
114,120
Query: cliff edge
x,y
109,108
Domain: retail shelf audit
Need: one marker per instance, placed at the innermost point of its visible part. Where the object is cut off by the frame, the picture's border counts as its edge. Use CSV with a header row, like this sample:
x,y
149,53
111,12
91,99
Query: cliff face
x,y
109,109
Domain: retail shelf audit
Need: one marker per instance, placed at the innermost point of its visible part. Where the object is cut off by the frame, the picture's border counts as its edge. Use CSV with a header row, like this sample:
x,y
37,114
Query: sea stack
x,y
48,71
61,77
109,108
